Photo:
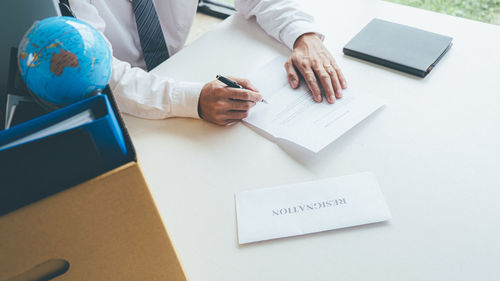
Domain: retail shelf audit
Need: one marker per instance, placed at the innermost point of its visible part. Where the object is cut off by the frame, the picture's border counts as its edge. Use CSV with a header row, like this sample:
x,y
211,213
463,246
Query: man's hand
x,y
222,105
314,62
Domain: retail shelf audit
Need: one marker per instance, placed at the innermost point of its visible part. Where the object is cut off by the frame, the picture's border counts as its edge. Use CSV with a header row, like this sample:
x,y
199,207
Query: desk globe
x,y
63,60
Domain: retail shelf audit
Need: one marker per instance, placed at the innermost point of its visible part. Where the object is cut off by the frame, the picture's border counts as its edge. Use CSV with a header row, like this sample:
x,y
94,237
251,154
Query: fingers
x,y
322,72
222,105
240,94
231,121
241,105
234,104
236,115
234,111
232,117
312,83
334,81
340,75
318,68
293,77
245,83
304,66
326,82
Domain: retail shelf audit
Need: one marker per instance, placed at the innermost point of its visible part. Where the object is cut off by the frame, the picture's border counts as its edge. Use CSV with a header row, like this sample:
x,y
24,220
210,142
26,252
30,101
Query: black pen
x,y
230,83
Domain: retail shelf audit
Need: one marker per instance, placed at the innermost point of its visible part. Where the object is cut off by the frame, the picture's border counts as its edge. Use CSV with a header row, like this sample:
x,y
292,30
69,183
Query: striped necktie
x,y
153,44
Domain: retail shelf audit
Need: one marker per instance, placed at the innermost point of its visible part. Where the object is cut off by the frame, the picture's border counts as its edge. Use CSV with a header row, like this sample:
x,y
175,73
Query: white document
x,y
294,116
79,119
309,207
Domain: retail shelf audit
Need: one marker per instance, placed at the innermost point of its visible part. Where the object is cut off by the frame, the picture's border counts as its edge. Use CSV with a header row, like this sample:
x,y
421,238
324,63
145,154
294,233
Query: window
x,y
480,10
217,8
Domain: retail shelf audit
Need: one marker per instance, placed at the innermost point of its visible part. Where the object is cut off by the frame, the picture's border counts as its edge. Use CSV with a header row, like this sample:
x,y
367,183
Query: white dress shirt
x,y
152,96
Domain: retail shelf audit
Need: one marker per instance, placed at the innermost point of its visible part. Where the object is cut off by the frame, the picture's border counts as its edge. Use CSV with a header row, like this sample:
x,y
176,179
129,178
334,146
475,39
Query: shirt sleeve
x,y
140,93
282,19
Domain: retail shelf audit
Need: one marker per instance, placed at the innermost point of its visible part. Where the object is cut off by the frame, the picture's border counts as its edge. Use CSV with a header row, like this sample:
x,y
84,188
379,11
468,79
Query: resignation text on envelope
x,y
309,207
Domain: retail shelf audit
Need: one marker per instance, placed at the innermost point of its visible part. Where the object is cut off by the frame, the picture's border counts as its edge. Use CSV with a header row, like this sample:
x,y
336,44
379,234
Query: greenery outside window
x,y
481,10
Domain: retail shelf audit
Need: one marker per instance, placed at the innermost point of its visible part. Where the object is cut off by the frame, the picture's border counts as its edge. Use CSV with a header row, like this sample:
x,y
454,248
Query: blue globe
x,y
63,60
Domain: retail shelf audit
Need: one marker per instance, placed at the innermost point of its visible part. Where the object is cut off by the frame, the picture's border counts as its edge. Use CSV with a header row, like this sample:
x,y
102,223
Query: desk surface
x,y
435,149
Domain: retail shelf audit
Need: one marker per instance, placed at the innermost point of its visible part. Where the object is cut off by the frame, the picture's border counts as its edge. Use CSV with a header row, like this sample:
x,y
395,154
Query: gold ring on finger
x,y
328,67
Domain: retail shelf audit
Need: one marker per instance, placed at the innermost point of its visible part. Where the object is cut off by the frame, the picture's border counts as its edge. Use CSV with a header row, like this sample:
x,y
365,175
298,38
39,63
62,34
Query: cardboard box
x,y
107,228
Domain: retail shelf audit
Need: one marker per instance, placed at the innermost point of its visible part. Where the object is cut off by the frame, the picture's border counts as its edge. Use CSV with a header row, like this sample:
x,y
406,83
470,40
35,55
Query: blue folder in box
x,y
93,115
58,150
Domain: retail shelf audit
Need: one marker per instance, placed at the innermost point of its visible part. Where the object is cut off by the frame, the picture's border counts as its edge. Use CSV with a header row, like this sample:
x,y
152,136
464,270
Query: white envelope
x,y
309,207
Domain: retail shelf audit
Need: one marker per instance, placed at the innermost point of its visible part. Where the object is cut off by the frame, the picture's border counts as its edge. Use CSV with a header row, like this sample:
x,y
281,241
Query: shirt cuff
x,y
295,29
184,97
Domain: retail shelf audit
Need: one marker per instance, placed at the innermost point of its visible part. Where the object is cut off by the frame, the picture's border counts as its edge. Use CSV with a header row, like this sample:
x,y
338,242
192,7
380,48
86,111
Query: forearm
x,y
282,19
151,96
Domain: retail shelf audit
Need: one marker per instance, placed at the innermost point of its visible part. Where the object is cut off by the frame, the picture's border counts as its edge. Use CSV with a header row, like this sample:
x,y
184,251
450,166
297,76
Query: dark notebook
x,y
400,47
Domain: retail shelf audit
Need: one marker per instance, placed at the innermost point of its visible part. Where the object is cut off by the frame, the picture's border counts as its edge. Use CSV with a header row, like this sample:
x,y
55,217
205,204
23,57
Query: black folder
x,y
399,47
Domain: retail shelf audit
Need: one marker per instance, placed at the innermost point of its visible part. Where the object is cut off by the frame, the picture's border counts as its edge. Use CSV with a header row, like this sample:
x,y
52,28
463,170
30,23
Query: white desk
x,y
435,149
